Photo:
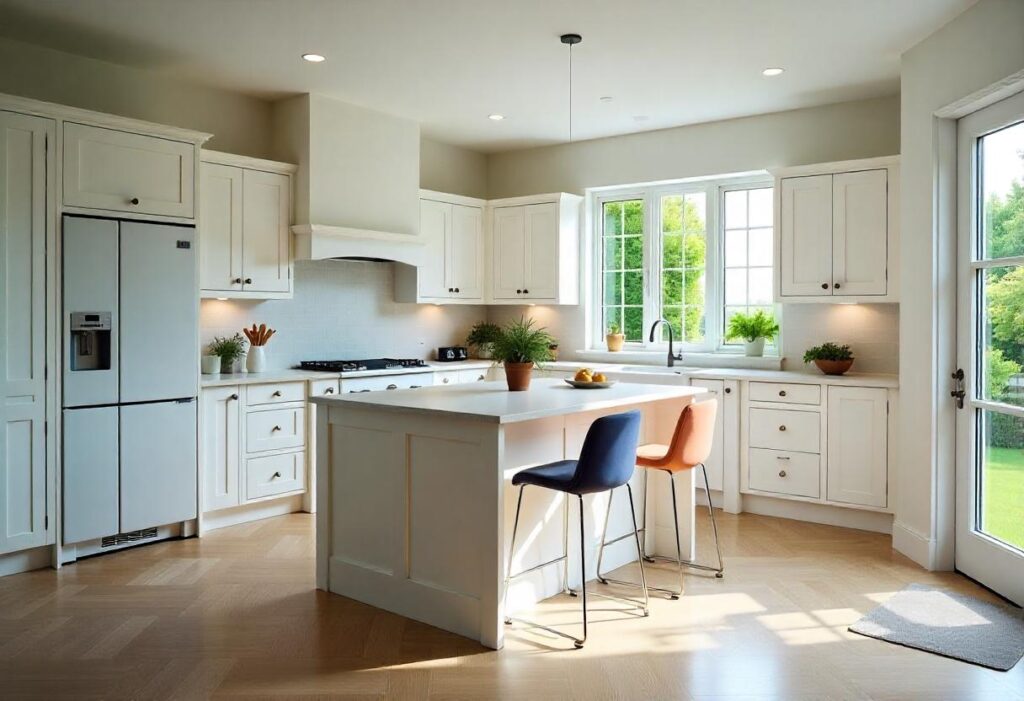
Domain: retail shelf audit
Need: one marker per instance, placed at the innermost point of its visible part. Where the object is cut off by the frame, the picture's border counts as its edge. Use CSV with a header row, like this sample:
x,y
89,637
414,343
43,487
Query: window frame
x,y
714,190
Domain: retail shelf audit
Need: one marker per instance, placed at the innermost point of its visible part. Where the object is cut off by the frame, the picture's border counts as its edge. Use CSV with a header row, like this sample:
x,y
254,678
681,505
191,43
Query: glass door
x,y
989,386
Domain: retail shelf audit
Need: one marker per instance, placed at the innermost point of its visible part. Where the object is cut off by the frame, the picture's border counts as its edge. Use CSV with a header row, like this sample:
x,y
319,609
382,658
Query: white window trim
x,y
651,193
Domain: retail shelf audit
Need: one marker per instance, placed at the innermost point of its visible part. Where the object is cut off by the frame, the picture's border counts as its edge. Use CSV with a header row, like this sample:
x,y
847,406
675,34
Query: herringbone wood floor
x,y
236,615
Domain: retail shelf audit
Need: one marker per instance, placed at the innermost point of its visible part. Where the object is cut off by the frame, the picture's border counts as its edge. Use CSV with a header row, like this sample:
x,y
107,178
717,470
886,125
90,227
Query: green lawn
x,y
1004,495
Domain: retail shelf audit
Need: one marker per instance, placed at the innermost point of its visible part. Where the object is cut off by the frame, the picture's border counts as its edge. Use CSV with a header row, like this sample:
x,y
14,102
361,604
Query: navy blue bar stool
x,y
607,461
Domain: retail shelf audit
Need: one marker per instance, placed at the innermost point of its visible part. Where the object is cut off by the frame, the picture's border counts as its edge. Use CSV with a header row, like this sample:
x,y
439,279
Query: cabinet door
x,y
860,232
220,448
858,443
805,256
435,224
265,241
124,172
90,474
220,228
540,280
466,252
715,462
25,215
509,267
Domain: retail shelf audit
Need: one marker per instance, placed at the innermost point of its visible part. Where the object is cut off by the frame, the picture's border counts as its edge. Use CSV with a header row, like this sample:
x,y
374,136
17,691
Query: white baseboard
x,y
26,560
916,546
222,518
819,513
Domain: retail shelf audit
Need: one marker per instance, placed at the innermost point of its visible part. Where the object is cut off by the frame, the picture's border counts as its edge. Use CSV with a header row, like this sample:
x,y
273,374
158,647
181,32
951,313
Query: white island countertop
x,y
493,403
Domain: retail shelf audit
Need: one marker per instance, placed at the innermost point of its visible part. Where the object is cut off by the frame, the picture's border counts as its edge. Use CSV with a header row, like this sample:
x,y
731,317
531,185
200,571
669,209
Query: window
x,y
692,253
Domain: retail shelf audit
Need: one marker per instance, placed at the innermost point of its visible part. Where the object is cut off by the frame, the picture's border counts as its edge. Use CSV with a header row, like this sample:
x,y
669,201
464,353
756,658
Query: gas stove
x,y
343,366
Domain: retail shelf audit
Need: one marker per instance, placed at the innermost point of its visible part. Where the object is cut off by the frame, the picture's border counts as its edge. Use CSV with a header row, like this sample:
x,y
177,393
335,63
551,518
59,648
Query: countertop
x,y
492,402
296,375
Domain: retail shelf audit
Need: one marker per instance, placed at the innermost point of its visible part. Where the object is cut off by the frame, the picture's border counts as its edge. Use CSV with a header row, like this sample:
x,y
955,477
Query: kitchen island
x,y
415,506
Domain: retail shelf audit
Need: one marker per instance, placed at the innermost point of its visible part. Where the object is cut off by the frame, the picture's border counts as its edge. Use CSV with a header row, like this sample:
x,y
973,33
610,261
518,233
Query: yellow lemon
x,y
583,375
599,377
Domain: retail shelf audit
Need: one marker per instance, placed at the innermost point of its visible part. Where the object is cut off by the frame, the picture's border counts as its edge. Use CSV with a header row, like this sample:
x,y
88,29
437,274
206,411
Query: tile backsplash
x,y
342,309
871,330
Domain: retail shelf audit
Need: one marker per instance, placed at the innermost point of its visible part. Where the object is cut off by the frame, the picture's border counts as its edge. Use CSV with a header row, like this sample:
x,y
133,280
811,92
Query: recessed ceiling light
x,y
496,117
772,71
607,98
314,58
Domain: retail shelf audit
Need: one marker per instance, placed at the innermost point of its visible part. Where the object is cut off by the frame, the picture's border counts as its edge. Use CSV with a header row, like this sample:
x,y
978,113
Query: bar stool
x,y
691,444
607,461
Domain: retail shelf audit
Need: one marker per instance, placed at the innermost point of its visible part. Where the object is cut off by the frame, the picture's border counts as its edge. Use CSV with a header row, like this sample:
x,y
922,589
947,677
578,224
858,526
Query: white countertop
x,y
295,375
492,402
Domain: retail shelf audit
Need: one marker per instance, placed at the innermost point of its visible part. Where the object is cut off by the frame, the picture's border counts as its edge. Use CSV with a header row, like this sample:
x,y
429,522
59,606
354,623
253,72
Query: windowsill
x,y
721,359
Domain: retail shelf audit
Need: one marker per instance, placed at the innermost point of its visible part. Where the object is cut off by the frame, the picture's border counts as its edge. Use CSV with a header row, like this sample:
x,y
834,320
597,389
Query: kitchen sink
x,y
654,369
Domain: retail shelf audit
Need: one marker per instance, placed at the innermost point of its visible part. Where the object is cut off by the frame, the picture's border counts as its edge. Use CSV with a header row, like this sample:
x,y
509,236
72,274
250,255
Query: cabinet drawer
x,y
784,392
323,388
479,375
386,382
277,393
275,474
125,172
782,429
785,472
447,377
276,429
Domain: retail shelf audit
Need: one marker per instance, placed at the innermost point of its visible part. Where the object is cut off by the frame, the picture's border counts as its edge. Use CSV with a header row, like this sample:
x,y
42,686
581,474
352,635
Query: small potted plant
x,y
831,358
754,329
228,350
482,337
614,338
519,347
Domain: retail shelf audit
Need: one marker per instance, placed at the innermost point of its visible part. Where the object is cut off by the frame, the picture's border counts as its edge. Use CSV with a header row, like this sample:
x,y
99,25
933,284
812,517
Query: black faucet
x,y
671,356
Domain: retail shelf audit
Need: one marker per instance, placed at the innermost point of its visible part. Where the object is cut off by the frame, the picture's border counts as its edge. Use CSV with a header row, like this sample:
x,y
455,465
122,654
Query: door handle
x,y
958,392
276,428
276,475
329,390
277,393
233,396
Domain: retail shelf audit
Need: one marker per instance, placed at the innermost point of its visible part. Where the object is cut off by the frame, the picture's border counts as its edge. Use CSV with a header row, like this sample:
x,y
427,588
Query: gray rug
x,y
949,624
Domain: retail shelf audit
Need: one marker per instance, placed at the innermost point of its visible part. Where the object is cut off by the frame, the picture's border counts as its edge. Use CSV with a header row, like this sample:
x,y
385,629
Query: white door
x,y
542,237
805,235
466,251
990,348
435,224
25,218
860,232
716,461
220,447
858,445
265,240
220,228
509,240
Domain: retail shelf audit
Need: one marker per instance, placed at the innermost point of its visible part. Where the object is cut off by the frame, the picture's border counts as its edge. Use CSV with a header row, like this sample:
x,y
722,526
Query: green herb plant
x,y
751,327
521,342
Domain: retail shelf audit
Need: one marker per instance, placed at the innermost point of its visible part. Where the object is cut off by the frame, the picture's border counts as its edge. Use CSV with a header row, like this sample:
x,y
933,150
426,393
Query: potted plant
x,y
754,329
482,337
614,338
519,347
831,358
229,350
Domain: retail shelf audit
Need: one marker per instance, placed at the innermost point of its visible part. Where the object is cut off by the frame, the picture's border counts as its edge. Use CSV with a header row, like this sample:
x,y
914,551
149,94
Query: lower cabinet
x,y
253,443
858,444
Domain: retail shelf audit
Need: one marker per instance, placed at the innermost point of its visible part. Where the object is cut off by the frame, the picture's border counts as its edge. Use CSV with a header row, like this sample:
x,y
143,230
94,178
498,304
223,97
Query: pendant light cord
x,y
570,40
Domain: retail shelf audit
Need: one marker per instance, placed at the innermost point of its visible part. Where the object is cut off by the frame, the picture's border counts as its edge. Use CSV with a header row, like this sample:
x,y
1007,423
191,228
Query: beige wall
x,y
448,168
982,46
830,133
240,124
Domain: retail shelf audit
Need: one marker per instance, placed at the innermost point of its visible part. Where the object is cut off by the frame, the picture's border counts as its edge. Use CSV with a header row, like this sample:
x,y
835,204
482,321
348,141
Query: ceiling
x,y
451,63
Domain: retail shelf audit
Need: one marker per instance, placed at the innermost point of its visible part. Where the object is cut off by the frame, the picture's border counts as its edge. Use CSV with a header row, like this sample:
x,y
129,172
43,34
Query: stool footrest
x,y
537,567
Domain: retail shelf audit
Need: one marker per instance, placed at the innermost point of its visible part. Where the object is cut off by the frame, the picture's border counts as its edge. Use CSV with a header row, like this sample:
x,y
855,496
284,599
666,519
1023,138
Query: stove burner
x,y
343,366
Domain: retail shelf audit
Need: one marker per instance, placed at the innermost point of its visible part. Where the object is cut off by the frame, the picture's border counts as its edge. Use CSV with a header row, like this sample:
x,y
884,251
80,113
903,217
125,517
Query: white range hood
x,y
319,242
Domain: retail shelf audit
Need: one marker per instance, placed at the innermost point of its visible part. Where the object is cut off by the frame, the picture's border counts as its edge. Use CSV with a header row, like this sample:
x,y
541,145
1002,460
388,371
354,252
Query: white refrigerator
x,y
130,377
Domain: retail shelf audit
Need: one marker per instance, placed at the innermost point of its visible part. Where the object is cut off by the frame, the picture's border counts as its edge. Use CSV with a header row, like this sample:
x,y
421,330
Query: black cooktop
x,y
344,366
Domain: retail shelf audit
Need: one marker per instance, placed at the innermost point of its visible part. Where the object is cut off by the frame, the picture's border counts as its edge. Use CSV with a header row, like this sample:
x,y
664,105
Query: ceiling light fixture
x,y
570,40
771,72
314,58
496,117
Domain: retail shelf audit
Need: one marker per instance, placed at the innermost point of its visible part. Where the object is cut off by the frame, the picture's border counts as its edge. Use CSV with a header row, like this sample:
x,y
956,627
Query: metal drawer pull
x,y
444,380
728,390
782,428
782,457
782,393
236,281
782,473
824,285
415,386
275,475
277,393
329,390
392,387
134,200
276,428
480,379
233,396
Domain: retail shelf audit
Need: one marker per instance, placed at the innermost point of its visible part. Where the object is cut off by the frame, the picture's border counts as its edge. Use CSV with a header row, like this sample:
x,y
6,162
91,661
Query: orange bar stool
x,y
691,444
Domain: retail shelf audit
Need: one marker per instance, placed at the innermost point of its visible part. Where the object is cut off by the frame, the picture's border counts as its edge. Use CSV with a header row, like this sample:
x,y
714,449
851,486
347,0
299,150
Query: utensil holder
x,y
256,361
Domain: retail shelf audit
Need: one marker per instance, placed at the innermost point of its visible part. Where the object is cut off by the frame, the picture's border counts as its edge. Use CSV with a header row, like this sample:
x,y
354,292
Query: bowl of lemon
x,y
586,379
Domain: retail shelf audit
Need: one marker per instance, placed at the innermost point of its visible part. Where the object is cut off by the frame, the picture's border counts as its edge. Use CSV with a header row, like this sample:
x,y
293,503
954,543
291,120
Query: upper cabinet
x,y
244,240
121,171
535,250
452,230
836,230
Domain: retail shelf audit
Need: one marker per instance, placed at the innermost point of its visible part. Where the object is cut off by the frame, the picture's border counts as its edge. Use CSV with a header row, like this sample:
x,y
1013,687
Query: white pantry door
x,y
989,384
24,217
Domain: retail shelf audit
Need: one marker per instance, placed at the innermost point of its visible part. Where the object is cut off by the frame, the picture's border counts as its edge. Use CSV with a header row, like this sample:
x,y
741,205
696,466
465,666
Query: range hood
x,y
357,186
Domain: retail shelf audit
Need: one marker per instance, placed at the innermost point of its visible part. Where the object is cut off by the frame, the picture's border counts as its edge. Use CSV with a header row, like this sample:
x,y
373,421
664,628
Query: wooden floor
x,y
235,615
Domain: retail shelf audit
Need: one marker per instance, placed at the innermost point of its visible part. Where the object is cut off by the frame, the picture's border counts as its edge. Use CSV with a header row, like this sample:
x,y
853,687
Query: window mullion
x,y
652,264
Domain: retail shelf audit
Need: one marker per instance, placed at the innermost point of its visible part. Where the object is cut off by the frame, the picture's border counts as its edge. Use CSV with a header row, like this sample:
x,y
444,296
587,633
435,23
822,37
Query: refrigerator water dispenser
x,y
90,341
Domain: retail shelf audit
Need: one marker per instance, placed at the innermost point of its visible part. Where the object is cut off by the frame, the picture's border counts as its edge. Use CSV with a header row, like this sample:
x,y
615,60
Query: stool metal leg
x,y
511,551
720,571
578,643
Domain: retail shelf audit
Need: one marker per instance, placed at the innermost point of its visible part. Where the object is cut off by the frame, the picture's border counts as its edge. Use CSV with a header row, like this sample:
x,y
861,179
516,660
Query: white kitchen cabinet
x,y
120,171
836,232
465,252
459,377
221,407
244,242
858,444
26,221
535,250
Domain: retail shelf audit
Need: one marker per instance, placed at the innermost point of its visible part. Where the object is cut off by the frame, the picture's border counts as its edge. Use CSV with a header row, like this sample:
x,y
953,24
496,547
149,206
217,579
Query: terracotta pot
x,y
834,367
615,341
517,375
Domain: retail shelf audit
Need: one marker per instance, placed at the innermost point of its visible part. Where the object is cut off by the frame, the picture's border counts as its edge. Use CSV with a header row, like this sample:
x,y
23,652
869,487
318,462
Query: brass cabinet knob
x,y
782,428
782,473
782,393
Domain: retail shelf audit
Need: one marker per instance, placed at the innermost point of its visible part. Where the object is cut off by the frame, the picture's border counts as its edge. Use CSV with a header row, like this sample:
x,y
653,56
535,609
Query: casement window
x,y
691,252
